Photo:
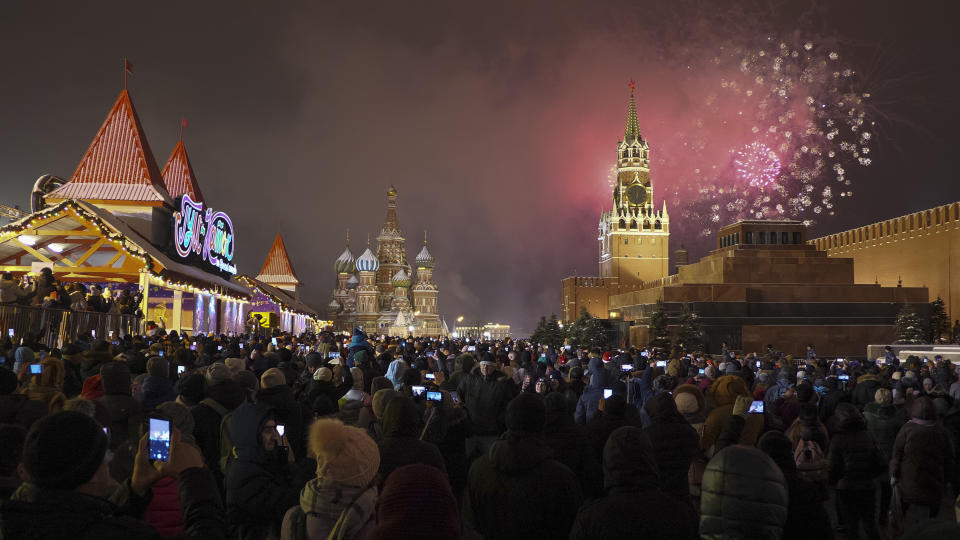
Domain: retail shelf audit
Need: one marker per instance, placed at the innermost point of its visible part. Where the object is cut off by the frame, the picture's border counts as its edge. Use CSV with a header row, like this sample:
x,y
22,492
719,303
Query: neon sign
x,y
204,234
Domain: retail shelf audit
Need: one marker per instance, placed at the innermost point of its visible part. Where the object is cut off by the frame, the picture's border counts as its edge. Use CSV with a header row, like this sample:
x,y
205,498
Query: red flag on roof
x,y
128,66
183,122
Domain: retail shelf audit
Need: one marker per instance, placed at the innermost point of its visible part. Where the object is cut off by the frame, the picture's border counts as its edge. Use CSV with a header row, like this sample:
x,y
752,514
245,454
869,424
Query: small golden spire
x,y
368,239
424,237
348,237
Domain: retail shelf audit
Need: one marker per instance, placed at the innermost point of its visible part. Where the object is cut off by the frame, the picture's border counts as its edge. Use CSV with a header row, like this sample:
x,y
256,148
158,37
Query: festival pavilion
x,y
123,223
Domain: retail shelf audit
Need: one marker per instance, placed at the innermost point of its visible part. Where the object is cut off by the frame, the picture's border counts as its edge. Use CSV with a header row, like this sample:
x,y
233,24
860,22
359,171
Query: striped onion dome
x,y
345,264
425,259
401,279
367,262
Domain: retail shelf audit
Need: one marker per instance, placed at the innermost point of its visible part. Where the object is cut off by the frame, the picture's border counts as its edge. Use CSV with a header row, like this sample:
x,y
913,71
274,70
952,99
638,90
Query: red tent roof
x,y
118,165
178,175
277,268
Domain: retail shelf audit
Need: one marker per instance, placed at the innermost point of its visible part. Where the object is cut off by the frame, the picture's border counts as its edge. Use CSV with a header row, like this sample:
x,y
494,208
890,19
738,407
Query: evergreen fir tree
x,y
939,322
539,334
587,331
909,328
658,332
553,333
690,332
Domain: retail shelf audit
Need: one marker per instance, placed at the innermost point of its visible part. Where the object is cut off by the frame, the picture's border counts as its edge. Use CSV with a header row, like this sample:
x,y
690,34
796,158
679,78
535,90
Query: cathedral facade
x,y
380,292
633,236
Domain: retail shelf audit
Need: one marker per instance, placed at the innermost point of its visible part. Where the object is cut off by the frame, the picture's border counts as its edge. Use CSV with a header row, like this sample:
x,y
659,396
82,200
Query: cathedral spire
x,y
632,133
348,237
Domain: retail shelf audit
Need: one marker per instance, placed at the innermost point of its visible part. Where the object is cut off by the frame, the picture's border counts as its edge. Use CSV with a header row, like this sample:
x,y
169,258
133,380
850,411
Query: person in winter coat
x,y
630,476
778,390
867,386
922,459
884,420
340,500
592,393
485,396
278,395
806,516
16,408
413,496
744,496
570,445
615,413
723,393
675,444
48,386
11,292
157,387
519,469
401,444
70,495
223,395
164,512
855,461
115,377
807,427
462,366
357,343
262,482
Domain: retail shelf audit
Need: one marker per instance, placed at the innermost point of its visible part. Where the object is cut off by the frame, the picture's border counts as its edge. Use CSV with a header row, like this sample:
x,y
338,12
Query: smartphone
x,y
241,346
567,347
434,396
661,363
455,396
418,391
471,348
607,392
758,363
36,369
274,341
280,429
703,371
219,347
756,407
159,439
106,431
844,377
160,353
644,354
193,346
10,332
111,334
94,334
430,377
627,367
333,354
181,369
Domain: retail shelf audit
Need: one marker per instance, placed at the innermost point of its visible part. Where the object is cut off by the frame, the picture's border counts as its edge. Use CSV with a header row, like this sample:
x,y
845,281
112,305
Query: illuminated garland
x,y
116,239
283,307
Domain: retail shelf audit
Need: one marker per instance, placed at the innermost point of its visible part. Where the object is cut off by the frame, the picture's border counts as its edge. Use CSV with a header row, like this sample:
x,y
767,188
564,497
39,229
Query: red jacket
x,y
164,513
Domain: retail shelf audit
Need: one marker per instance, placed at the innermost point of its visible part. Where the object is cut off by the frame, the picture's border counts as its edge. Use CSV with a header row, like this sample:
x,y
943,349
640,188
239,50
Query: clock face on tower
x,y
637,194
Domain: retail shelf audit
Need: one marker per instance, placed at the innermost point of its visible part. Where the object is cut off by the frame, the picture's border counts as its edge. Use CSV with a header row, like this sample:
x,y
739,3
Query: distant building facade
x,y
633,236
915,250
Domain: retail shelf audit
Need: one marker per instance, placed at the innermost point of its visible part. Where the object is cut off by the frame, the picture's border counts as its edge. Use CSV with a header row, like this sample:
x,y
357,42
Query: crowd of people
x,y
363,436
47,292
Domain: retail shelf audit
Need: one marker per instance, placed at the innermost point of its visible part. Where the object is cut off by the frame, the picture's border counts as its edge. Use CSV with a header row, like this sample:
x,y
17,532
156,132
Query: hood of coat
x,y
401,418
598,375
726,389
515,454
661,408
628,460
848,418
692,391
246,423
923,408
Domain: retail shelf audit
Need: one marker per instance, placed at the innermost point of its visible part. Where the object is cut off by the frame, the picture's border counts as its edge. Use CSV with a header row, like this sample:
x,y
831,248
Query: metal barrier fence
x,y
54,327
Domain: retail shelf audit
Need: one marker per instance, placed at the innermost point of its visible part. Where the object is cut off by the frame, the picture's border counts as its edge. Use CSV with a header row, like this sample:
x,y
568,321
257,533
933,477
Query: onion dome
x,y
345,264
424,259
334,305
367,262
353,282
401,279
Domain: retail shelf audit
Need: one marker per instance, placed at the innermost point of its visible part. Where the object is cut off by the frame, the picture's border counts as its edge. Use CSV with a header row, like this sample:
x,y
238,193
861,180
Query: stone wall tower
x,y
633,236
425,290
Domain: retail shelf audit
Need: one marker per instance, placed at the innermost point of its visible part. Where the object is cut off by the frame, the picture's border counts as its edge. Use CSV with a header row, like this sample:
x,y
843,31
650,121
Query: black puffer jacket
x,y
485,399
744,495
517,470
570,446
289,413
401,444
864,391
855,458
630,476
615,414
260,488
884,422
675,444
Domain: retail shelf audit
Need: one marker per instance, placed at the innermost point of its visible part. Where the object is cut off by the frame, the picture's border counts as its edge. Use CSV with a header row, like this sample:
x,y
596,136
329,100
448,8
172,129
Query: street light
x,y
460,318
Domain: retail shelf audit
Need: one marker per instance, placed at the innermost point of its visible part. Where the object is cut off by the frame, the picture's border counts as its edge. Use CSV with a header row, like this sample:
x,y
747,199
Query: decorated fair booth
x,y
278,309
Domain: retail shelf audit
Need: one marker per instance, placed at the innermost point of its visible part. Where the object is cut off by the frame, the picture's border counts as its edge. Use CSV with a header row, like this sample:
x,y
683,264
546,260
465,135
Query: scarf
x,y
351,506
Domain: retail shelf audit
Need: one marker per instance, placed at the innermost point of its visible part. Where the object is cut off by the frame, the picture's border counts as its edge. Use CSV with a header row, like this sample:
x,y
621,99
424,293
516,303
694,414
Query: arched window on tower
x,y
657,225
646,224
633,224
623,224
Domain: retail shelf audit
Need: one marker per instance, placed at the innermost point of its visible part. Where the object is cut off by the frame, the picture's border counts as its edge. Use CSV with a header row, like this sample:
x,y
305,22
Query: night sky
x,y
496,121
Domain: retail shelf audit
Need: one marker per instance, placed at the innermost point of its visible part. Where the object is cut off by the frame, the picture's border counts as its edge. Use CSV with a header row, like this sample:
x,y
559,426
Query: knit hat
x,y
115,377
323,374
526,413
190,389
180,417
665,383
896,375
236,365
412,496
64,450
92,387
272,377
710,372
804,392
345,454
883,397
763,377
247,380
686,403
487,363
158,367
380,400
923,409
217,373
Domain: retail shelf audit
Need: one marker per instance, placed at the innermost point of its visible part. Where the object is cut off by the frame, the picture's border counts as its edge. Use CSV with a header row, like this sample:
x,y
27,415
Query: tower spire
x,y
348,236
424,237
632,133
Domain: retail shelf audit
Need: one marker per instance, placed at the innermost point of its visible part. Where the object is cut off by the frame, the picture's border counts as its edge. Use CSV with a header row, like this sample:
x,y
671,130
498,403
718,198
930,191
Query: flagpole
x,y
124,72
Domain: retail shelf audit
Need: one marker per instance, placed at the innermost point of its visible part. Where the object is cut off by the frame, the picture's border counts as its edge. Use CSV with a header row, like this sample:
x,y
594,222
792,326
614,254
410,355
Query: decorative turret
x,y
353,282
401,279
367,262
391,251
345,263
424,258
367,292
425,291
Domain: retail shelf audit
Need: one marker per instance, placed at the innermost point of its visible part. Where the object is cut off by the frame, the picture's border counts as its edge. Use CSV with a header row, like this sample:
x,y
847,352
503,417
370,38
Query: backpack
x,y
811,463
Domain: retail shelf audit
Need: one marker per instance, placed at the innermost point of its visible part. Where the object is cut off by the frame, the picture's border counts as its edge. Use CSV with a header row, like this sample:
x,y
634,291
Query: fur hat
x,y
883,397
64,450
897,375
526,413
345,454
218,372
323,374
380,399
710,372
686,403
272,377
236,365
